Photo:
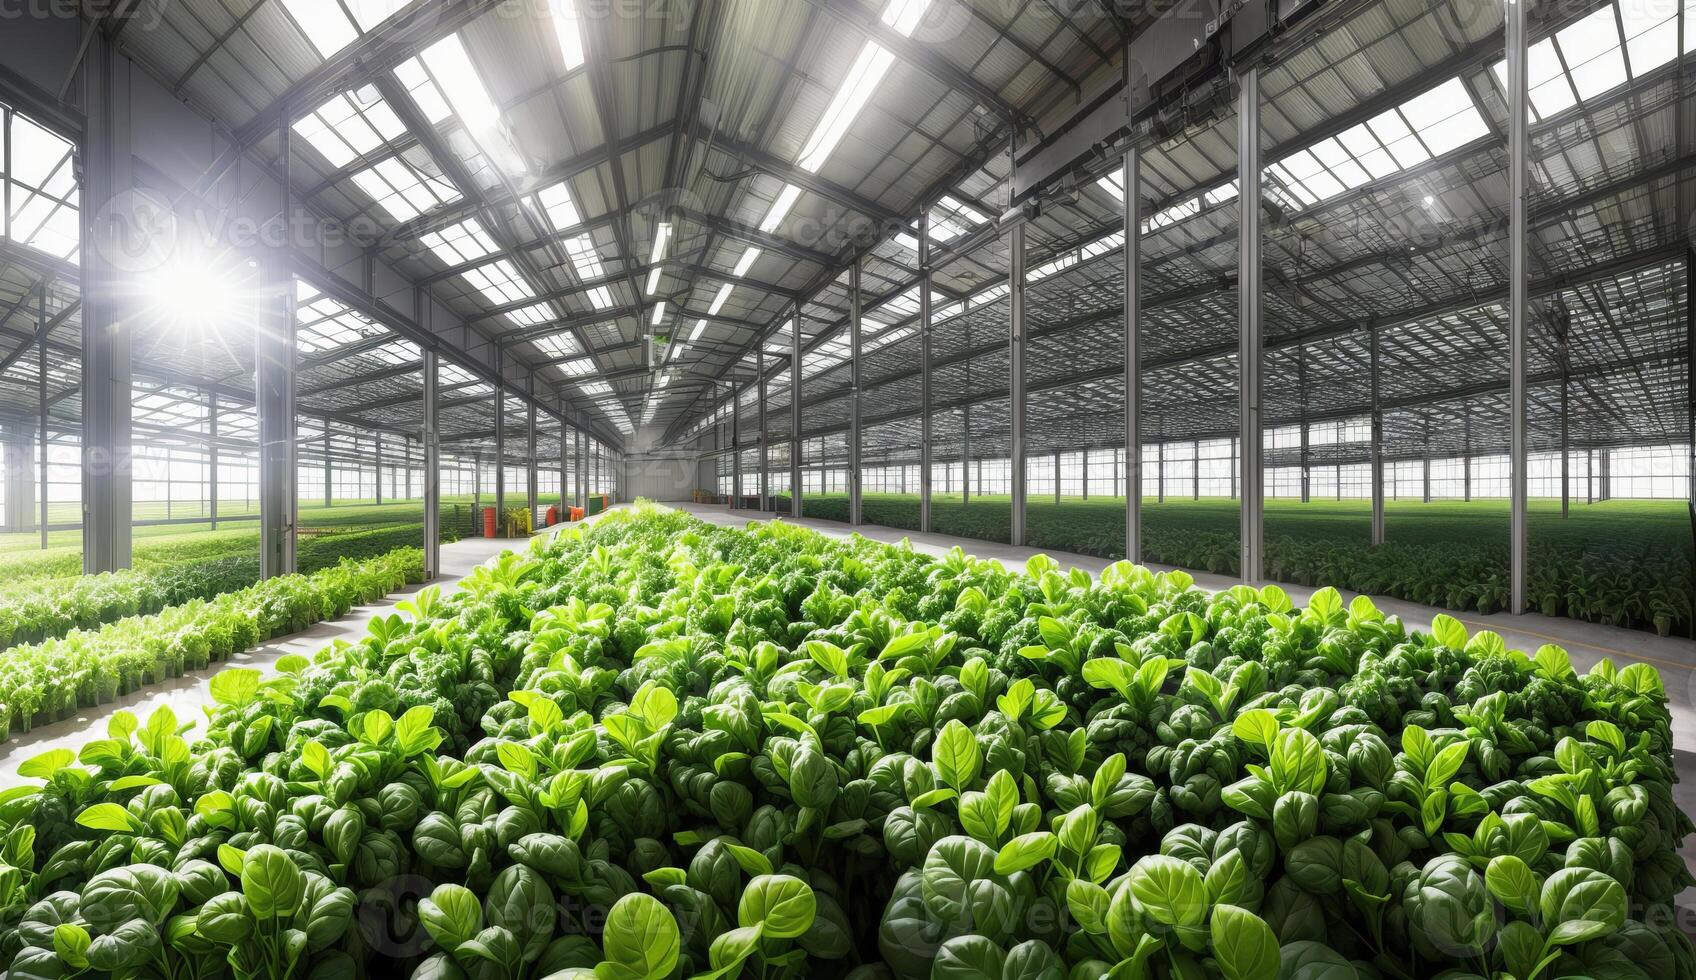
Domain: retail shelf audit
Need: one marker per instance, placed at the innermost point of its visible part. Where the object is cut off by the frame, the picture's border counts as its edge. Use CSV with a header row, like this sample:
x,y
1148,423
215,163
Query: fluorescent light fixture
x,y
780,208
653,280
659,313
746,262
718,301
324,23
566,28
661,235
863,78
700,328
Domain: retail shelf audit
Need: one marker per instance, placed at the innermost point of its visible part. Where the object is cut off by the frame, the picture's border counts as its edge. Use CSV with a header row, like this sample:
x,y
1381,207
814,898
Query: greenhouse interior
x,y
865,489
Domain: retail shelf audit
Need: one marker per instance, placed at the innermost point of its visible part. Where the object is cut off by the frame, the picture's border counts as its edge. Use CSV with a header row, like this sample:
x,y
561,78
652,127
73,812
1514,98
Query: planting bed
x,y
1621,563
658,749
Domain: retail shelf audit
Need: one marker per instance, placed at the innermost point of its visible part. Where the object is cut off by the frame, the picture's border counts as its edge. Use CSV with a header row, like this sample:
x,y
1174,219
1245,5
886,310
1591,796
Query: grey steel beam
x,y
1519,274
856,330
41,424
1016,380
926,433
795,441
106,332
1250,339
431,438
1133,355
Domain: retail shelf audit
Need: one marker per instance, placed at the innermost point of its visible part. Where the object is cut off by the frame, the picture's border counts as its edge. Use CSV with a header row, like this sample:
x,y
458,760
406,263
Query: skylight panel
x,y
586,261
863,79
531,316
1445,117
349,126
370,13
557,204
594,388
1651,34
780,208
1366,149
1592,51
904,15
562,345
461,243
324,23
568,31
452,375
1399,141
450,65
499,283
402,191
580,367
44,195
423,89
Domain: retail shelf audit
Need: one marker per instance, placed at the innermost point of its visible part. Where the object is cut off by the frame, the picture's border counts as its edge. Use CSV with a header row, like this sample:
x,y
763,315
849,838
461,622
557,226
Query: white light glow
x,y
863,79
700,328
568,31
746,262
662,234
653,280
323,23
195,296
780,208
718,301
904,15
452,69
659,313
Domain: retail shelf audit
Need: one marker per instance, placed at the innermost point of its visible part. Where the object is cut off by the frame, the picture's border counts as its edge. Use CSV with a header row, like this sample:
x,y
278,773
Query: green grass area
x,y
353,528
1621,562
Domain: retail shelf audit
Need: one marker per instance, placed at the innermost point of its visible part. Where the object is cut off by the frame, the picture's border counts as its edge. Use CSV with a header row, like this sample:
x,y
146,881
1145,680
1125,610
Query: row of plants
x,y
36,609
321,547
50,680
1624,580
656,749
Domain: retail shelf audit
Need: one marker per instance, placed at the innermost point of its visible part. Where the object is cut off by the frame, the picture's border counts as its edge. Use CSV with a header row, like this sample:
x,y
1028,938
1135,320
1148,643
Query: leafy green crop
x,y
82,668
656,749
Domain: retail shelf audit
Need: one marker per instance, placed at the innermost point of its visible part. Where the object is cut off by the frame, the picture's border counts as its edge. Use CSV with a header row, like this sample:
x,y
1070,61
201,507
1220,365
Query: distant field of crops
x,y
1620,562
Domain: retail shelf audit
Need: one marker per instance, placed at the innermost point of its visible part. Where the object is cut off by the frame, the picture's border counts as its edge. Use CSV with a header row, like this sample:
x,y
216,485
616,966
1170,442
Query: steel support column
x,y
765,452
855,331
1250,339
564,459
106,397
736,447
531,497
500,448
1133,355
1518,300
582,469
41,416
1016,379
275,392
212,457
431,439
795,414
926,424
377,450
1377,445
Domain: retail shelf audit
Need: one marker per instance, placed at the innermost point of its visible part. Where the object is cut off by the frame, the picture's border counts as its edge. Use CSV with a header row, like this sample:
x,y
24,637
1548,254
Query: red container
x,y
488,522
553,517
